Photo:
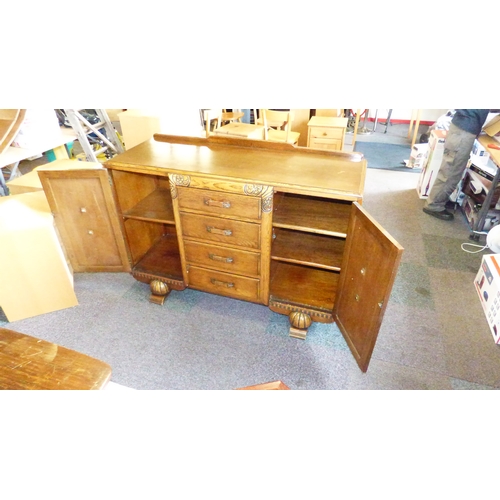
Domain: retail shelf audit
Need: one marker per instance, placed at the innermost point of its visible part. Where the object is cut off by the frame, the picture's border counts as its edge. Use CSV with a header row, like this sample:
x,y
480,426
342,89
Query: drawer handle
x,y
222,283
223,232
214,203
218,258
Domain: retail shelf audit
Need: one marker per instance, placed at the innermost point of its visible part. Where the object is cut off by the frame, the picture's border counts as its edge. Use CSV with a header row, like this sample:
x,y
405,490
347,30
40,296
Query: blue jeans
x,y
457,150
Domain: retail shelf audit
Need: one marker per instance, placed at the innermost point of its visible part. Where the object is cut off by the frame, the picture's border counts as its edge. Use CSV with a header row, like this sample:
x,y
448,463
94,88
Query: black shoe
x,y
443,214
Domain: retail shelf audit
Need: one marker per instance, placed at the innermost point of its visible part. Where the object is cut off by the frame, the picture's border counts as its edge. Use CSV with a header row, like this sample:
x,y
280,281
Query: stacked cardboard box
x,y
487,283
434,158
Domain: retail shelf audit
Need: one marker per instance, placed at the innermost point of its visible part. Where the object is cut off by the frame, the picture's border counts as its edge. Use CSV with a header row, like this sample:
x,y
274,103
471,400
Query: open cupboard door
x,y
370,262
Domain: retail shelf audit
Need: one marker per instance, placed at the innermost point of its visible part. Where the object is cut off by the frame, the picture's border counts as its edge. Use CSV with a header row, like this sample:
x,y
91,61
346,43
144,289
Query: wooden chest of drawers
x,y
257,221
325,132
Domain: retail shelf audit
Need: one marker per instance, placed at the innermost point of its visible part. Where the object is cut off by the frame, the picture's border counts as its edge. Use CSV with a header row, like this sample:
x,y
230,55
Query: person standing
x,y
465,126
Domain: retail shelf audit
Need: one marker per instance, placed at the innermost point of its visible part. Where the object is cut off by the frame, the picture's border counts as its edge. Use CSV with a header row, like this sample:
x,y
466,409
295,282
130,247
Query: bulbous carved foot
x,y
159,291
300,322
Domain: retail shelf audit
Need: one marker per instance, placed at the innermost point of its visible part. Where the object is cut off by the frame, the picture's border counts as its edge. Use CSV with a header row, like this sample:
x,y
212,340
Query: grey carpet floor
x,y
434,334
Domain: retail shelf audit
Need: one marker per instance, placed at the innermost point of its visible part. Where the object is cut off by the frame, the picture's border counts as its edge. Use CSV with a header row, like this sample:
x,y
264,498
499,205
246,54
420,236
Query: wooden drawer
x,y
331,144
219,203
224,259
326,133
224,231
230,285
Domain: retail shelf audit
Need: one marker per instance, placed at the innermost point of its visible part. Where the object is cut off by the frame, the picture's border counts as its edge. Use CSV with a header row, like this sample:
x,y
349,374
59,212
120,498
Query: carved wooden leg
x,y
300,322
159,291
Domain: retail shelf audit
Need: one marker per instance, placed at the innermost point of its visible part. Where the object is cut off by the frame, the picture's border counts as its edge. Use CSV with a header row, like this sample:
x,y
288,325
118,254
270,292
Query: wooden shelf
x,y
156,207
303,286
315,250
311,214
163,259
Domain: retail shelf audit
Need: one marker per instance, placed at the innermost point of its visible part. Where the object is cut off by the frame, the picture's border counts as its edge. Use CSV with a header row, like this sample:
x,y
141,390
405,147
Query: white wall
x,y
405,114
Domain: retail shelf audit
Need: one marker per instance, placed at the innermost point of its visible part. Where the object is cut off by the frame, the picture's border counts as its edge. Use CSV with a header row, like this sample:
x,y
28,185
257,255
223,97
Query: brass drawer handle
x,y
214,203
223,232
222,283
218,258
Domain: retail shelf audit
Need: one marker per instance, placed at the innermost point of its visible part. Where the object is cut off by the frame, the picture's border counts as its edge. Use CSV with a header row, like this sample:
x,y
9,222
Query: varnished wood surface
x,y
86,218
311,214
157,206
162,258
290,168
315,250
301,285
30,363
369,267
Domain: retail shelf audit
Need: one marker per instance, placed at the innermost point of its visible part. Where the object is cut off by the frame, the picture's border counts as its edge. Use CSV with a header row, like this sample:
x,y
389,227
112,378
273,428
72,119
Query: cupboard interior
x,y
146,208
307,249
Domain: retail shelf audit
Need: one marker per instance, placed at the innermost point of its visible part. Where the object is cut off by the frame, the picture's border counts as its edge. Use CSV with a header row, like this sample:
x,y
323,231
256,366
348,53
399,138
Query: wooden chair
x,y
278,126
330,112
210,115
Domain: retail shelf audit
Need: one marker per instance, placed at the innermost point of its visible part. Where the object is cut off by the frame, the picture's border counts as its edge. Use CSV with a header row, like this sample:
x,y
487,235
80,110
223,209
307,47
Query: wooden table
x,y
245,130
30,363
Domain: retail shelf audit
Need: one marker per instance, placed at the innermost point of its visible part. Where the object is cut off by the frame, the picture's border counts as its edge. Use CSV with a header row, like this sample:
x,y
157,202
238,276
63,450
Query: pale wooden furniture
x,y
325,132
242,130
35,276
30,363
231,116
414,124
330,112
278,126
259,221
277,385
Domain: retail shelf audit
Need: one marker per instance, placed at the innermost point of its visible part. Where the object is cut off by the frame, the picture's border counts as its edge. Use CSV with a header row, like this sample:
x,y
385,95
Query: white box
x,y
418,156
479,155
39,127
487,283
434,159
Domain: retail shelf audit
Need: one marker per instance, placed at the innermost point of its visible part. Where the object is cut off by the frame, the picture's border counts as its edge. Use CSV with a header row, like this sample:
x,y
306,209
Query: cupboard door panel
x,y
86,218
369,267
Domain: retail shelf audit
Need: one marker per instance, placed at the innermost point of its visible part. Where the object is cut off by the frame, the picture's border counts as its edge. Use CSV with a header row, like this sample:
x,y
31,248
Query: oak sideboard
x,y
264,222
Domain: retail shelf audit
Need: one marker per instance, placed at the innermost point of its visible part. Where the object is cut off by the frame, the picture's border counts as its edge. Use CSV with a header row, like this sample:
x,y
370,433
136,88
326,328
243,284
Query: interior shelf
x,y
157,206
314,250
311,214
162,259
303,285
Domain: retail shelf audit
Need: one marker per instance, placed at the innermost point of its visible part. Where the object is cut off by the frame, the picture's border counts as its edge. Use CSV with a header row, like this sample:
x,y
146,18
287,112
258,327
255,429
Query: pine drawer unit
x,y
326,132
269,223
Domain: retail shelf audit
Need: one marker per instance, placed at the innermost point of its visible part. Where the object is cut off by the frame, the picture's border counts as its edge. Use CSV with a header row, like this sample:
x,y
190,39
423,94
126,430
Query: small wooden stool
x,y
30,363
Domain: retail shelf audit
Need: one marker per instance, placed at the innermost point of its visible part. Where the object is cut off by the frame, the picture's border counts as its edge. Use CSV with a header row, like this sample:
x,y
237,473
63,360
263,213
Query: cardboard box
x,y
434,159
39,127
487,283
493,126
418,155
36,278
479,155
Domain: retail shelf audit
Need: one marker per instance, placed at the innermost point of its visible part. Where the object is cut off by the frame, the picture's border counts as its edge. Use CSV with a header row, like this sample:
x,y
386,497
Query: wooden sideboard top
x,y
283,166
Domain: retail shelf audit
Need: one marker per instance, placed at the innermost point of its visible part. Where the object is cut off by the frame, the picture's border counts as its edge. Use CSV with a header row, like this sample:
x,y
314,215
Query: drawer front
x,y
219,203
327,133
222,258
331,144
224,231
237,287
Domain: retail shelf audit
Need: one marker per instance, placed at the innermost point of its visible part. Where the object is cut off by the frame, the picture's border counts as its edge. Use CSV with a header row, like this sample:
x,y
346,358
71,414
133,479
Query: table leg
x,y
356,123
417,123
